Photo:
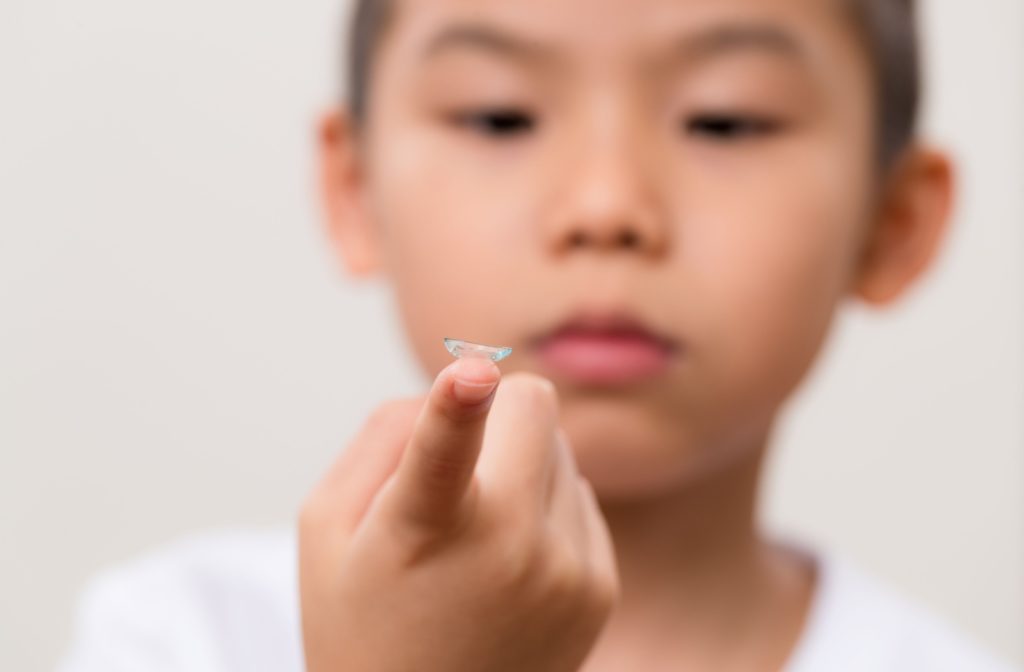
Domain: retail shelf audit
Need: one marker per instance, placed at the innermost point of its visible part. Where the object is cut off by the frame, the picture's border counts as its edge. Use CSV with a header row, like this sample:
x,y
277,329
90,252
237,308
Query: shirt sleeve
x,y
126,621
221,602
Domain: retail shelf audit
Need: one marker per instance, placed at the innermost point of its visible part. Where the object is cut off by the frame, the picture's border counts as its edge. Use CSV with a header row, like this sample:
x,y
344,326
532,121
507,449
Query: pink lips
x,y
604,351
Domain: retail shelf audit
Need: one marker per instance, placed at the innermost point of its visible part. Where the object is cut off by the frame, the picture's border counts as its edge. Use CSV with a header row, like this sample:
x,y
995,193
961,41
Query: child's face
x,y
512,142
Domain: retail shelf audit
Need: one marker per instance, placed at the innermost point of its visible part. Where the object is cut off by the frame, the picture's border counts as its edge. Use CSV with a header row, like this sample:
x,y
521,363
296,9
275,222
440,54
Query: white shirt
x,y
228,602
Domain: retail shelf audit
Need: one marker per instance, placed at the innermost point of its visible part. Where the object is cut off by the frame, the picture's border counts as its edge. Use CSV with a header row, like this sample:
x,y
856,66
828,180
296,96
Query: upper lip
x,y
605,321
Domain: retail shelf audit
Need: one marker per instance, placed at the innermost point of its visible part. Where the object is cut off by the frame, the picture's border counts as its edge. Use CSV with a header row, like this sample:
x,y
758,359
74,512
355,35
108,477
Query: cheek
x,y
441,241
769,271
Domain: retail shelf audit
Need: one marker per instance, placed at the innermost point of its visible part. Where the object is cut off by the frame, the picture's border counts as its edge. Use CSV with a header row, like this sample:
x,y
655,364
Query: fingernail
x,y
474,381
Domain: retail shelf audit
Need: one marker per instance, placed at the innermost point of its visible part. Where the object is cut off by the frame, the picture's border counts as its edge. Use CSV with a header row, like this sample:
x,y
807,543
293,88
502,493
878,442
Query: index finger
x,y
434,475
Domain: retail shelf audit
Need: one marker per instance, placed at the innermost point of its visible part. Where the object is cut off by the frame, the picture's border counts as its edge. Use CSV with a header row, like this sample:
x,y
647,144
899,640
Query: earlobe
x,y
341,187
910,225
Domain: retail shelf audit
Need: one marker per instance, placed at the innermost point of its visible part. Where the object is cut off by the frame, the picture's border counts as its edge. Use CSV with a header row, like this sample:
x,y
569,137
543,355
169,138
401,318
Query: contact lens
x,y
460,349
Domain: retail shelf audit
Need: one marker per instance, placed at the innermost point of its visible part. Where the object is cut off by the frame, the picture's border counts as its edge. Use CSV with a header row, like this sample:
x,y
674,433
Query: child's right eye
x,y
497,122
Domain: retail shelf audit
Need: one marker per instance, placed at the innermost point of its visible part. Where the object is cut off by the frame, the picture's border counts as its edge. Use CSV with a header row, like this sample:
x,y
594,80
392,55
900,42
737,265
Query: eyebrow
x,y
487,38
717,40
733,37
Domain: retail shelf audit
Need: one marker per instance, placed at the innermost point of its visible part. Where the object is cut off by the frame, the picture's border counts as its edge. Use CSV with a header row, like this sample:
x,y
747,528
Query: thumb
x,y
436,469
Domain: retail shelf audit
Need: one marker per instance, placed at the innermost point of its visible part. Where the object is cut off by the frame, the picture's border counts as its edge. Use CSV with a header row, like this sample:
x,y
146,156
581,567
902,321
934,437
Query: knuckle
x,y
421,532
573,580
565,573
388,412
517,561
587,489
311,513
535,392
441,469
605,593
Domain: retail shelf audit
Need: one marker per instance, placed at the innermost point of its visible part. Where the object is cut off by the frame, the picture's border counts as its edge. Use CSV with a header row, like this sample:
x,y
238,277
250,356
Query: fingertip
x,y
475,370
474,379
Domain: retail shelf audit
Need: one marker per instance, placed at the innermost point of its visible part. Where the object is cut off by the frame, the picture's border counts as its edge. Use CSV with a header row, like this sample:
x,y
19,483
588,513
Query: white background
x,y
178,351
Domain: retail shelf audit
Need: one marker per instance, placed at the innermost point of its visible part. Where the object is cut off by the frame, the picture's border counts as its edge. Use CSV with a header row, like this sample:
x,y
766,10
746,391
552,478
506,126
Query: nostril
x,y
626,238
577,239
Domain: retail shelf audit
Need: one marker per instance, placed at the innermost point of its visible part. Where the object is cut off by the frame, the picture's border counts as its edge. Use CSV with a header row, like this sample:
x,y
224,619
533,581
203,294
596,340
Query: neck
x,y
695,572
693,540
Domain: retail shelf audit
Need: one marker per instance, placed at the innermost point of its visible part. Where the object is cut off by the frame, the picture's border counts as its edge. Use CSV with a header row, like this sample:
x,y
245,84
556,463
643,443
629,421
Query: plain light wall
x,y
179,352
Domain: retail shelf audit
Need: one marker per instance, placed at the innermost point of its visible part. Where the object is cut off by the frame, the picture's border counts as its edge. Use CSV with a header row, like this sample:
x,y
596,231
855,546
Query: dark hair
x,y
887,28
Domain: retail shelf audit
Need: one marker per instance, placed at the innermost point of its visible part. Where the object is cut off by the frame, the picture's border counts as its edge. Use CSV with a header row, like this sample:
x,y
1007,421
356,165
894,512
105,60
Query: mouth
x,y
611,348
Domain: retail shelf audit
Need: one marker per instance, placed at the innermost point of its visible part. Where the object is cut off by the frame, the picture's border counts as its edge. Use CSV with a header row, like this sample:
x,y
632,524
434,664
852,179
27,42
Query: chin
x,y
627,452
633,452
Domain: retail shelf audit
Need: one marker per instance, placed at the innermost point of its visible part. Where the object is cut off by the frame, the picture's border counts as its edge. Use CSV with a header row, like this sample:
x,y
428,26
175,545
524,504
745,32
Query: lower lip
x,y
604,359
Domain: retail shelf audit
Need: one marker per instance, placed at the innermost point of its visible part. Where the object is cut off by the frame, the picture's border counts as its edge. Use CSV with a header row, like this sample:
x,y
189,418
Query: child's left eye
x,y
730,127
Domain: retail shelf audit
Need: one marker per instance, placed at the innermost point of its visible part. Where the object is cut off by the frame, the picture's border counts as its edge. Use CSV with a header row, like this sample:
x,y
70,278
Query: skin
x,y
722,190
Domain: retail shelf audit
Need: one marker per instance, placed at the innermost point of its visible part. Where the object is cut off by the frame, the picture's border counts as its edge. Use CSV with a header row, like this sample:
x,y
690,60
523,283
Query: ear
x,y
342,191
911,221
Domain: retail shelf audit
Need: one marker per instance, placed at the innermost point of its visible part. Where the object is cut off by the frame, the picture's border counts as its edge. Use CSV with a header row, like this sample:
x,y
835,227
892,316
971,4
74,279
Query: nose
x,y
605,199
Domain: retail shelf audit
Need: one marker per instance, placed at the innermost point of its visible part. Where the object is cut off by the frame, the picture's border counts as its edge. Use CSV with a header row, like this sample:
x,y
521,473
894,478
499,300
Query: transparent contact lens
x,y
460,349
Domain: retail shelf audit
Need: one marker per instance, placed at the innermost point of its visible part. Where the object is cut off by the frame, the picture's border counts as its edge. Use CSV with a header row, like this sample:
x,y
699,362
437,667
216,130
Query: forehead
x,y
601,30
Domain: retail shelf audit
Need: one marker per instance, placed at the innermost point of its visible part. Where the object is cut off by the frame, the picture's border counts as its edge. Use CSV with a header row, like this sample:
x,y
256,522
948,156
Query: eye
x,y
498,122
730,127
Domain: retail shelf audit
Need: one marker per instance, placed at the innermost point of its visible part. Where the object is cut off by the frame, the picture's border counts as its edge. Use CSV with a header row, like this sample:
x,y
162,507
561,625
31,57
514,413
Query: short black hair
x,y
887,28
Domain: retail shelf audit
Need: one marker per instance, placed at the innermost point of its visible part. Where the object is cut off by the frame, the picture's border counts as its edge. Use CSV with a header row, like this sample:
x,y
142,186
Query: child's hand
x,y
417,555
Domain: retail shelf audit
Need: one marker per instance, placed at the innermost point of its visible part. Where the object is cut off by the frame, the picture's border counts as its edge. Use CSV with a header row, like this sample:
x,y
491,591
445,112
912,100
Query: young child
x,y
659,205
